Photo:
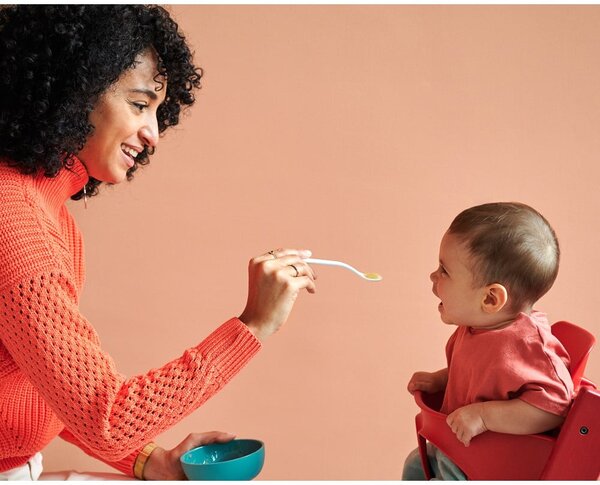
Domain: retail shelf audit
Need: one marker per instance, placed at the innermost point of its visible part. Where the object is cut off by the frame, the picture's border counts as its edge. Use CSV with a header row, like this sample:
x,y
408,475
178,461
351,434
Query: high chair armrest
x,y
490,456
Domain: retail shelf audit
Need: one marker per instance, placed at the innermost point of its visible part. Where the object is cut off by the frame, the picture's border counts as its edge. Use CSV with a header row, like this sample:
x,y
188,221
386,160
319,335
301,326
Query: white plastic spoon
x,y
329,262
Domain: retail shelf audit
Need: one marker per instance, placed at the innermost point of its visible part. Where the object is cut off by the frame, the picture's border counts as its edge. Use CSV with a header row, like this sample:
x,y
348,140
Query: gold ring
x,y
297,272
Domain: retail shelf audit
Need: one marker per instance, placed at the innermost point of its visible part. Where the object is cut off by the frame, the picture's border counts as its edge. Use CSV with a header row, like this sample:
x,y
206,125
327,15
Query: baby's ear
x,y
495,298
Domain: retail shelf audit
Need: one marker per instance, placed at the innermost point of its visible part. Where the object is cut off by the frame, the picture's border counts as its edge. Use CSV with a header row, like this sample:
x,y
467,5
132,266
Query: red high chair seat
x,y
570,453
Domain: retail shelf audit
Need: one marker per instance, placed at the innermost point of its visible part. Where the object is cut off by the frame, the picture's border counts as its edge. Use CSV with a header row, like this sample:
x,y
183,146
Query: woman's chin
x,y
120,179
113,178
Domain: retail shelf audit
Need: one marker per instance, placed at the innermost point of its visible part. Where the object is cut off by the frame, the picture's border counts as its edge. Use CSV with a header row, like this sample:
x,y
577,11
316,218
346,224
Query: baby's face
x,y
453,284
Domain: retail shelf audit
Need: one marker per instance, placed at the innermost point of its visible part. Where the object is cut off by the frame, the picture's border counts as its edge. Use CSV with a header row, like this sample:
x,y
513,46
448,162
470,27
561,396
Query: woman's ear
x,y
495,298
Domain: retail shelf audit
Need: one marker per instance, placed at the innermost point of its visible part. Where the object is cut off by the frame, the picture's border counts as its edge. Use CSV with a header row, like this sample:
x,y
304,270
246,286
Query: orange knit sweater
x,y
54,376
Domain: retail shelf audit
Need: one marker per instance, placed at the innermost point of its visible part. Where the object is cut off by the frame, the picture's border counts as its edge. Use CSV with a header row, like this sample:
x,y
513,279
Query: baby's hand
x,y
467,422
424,381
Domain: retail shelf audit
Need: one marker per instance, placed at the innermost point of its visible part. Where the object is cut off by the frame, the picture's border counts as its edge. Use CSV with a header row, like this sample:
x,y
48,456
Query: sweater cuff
x,y
232,345
125,465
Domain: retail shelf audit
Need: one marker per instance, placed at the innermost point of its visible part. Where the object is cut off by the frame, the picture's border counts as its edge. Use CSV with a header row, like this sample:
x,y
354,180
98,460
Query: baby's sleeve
x,y
547,382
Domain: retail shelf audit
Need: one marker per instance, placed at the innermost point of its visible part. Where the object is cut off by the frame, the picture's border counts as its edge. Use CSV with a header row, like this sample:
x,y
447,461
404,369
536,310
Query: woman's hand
x,y
274,281
165,465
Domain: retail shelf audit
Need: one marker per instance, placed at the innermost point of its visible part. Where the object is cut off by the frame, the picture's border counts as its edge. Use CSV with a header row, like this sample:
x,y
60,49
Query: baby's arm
x,y
428,381
513,416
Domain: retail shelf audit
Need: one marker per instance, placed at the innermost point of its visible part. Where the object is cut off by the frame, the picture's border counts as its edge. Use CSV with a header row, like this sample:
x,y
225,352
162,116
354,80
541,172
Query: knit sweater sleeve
x,y
125,465
59,351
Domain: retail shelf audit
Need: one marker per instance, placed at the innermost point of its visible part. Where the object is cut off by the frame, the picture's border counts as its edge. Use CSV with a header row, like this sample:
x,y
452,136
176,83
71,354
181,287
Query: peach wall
x,y
358,132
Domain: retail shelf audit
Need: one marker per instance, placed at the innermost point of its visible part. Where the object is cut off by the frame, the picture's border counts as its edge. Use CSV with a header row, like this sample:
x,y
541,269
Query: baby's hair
x,y
511,244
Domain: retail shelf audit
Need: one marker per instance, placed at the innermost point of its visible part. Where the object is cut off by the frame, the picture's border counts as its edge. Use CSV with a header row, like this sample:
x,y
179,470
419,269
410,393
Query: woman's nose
x,y
433,276
149,133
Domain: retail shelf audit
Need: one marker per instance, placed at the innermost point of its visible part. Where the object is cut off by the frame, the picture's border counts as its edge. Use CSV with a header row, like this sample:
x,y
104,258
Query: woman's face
x,y
124,121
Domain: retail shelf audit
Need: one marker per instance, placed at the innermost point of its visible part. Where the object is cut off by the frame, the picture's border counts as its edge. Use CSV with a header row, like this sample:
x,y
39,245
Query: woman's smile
x,y
130,154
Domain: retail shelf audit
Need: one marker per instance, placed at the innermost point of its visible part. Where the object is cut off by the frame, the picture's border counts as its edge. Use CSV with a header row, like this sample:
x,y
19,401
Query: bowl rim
x,y
261,447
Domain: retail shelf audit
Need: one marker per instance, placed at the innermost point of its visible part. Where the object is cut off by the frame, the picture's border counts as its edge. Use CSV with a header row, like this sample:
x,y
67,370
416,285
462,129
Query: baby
x,y
506,371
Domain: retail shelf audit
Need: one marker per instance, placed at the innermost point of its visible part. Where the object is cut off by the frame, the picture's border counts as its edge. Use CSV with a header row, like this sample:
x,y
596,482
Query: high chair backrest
x,y
575,453
578,342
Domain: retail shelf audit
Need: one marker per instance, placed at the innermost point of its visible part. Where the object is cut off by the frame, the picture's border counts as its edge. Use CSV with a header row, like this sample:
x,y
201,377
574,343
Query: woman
x,y
85,92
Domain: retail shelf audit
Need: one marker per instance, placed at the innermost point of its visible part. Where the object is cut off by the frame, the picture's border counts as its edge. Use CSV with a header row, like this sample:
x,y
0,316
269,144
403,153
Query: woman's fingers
x,y
206,438
298,268
193,440
269,255
294,264
275,278
289,260
307,283
165,465
280,252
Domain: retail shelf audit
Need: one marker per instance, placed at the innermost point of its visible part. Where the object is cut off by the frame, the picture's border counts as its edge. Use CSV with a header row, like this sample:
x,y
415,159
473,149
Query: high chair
x,y
568,453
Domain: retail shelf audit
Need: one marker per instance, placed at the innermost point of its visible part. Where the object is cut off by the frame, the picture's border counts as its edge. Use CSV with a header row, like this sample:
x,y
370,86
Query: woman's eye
x,y
139,106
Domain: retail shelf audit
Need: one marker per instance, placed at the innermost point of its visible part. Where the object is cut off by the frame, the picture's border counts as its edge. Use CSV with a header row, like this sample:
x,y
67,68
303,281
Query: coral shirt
x,y
522,360
54,376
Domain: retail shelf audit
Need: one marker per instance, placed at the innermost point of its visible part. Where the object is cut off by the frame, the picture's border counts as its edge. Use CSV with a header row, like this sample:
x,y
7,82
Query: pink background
x,y
358,132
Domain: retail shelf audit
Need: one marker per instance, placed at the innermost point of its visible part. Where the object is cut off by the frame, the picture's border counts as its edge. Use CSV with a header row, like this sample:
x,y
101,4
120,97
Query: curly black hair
x,y
57,60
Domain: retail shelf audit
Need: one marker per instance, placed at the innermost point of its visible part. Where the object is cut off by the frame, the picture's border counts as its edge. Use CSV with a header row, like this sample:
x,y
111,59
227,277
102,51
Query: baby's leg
x,y
441,466
412,467
446,469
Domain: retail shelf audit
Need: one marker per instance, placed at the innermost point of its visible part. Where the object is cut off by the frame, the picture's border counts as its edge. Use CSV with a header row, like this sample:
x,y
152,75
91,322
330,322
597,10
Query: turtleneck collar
x,y
57,190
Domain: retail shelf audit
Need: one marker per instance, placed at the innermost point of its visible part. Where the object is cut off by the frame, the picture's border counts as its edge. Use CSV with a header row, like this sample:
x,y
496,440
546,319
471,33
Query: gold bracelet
x,y
141,459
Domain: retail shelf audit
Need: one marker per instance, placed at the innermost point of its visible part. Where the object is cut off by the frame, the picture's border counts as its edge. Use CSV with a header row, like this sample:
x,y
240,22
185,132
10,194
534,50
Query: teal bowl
x,y
234,460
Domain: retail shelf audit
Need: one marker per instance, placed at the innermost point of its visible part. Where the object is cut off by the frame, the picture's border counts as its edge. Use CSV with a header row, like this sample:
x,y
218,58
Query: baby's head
x,y
501,258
